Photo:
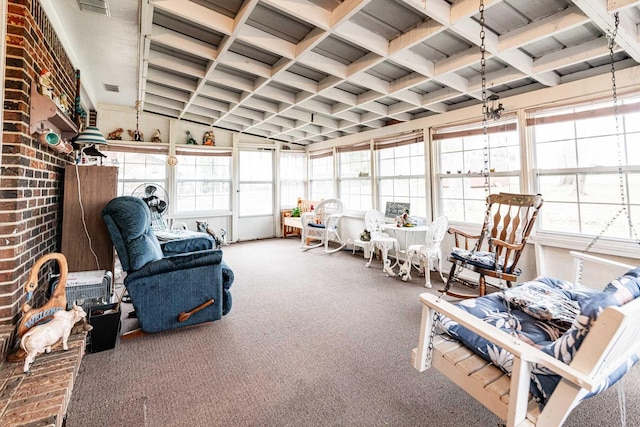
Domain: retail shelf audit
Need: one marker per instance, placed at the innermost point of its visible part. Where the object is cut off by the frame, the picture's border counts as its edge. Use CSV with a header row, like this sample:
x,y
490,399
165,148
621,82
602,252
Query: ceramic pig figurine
x,y
39,339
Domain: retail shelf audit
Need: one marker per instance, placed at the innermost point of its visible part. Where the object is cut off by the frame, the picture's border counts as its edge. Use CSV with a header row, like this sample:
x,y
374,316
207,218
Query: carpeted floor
x,y
312,340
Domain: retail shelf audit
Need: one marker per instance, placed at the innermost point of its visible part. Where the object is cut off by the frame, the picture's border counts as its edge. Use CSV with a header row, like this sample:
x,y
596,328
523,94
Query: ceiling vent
x,y
111,88
95,6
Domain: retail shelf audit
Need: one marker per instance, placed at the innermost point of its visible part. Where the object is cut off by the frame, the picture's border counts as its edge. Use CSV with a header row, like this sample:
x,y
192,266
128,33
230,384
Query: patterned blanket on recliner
x,y
549,334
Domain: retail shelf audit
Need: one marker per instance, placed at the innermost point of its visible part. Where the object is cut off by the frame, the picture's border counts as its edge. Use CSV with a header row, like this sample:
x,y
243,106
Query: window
x,y
461,164
137,168
292,179
401,168
256,183
321,176
581,163
354,178
203,182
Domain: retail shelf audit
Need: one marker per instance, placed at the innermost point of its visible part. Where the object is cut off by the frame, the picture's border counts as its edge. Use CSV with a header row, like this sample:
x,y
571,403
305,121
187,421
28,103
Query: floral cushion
x,y
547,303
547,336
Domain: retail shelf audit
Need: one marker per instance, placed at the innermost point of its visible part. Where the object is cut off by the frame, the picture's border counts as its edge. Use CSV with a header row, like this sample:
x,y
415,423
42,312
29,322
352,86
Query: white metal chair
x,y
373,221
321,225
429,252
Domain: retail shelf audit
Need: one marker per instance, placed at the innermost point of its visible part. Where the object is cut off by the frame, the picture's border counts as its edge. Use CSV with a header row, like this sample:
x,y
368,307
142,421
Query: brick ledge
x,y
41,397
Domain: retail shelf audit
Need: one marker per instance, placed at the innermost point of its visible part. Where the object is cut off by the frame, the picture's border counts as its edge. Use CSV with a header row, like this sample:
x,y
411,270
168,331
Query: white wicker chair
x,y
430,251
373,221
321,225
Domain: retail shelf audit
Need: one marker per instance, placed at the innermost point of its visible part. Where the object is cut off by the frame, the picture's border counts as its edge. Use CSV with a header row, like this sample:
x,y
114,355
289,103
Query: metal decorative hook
x,y
492,111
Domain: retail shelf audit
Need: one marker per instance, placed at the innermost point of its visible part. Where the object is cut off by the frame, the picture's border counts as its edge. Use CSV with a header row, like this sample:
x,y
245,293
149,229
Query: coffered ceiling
x,y
304,71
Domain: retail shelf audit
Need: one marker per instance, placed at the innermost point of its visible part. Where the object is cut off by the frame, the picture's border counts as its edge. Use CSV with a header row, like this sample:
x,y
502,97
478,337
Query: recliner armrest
x,y
190,244
178,262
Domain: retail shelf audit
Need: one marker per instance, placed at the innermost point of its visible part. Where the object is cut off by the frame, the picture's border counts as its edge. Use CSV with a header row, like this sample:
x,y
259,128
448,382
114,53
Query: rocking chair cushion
x,y
315,225
482,259
545,335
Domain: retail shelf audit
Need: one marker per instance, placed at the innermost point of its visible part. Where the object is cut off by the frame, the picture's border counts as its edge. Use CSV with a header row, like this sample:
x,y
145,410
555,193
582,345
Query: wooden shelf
x,y
126,143
44,109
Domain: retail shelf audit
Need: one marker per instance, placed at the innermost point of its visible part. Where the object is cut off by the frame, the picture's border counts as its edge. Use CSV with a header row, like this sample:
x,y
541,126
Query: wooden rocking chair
x,y
508,222
610,346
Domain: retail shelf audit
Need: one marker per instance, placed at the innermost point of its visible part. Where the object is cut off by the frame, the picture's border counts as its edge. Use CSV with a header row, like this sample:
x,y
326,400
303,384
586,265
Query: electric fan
x,y
157,198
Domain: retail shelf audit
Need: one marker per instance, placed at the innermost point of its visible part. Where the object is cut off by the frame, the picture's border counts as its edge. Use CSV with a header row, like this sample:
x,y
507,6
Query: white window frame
x,y
579,239
117,156
416,175
355,174
294,178
469,175
322,171
181,155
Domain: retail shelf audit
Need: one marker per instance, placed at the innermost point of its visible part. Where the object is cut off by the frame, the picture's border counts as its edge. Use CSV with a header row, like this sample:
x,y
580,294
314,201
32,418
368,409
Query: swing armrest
x,y
519,349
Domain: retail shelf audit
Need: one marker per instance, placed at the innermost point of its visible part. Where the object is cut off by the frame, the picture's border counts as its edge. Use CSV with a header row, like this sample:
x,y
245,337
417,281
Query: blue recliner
x,y
179,283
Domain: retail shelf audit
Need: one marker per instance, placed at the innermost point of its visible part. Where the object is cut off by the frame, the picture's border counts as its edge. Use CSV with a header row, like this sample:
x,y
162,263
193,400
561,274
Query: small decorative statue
x,y
41,338
190,139
403,220
156,136
365,236
202,226
136,135
65,104
405,271
81,326
46,85
209,138
220,239
387,269
116,135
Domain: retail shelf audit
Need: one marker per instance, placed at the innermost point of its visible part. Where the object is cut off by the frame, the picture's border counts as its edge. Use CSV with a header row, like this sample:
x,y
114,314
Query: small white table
x,y
409,233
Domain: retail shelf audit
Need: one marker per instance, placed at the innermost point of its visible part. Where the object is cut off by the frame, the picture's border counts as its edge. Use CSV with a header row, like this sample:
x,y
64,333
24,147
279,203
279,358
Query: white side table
x,y
366,247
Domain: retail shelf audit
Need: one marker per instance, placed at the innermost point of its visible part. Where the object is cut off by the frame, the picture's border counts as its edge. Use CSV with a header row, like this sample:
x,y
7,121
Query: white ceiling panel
x,y
305,71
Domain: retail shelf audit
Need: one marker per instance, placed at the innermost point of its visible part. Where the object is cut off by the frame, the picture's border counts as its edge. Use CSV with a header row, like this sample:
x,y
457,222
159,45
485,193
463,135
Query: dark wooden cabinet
x,y
98,185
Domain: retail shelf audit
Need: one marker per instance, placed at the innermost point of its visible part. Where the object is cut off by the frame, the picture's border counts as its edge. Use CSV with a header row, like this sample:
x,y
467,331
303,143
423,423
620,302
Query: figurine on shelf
x,y
190,139
136,135
46,85
116,135
56,100
156,136
209,138
65,104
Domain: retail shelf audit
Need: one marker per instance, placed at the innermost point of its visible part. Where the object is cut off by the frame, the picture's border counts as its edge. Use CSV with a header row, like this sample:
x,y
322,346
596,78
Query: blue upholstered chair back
x,y
128,220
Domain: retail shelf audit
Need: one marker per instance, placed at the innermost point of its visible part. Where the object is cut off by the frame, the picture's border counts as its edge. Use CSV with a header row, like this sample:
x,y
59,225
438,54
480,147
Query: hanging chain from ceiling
x,y
485,109
485,151
614,90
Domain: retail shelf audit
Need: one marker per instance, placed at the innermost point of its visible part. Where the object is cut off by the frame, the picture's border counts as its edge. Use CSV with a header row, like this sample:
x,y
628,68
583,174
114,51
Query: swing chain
x,y
485,169
485,107
432,335
611,36
614,90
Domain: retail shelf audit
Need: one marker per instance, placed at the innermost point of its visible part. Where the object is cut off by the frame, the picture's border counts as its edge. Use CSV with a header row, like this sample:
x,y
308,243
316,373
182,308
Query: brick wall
x,y
31,179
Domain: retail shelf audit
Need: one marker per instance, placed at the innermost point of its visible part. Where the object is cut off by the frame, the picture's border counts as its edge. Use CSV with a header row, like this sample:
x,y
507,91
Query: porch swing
x,y
532,353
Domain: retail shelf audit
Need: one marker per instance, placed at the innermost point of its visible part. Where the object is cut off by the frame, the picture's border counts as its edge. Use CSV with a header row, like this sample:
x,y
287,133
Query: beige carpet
x,y
312,340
